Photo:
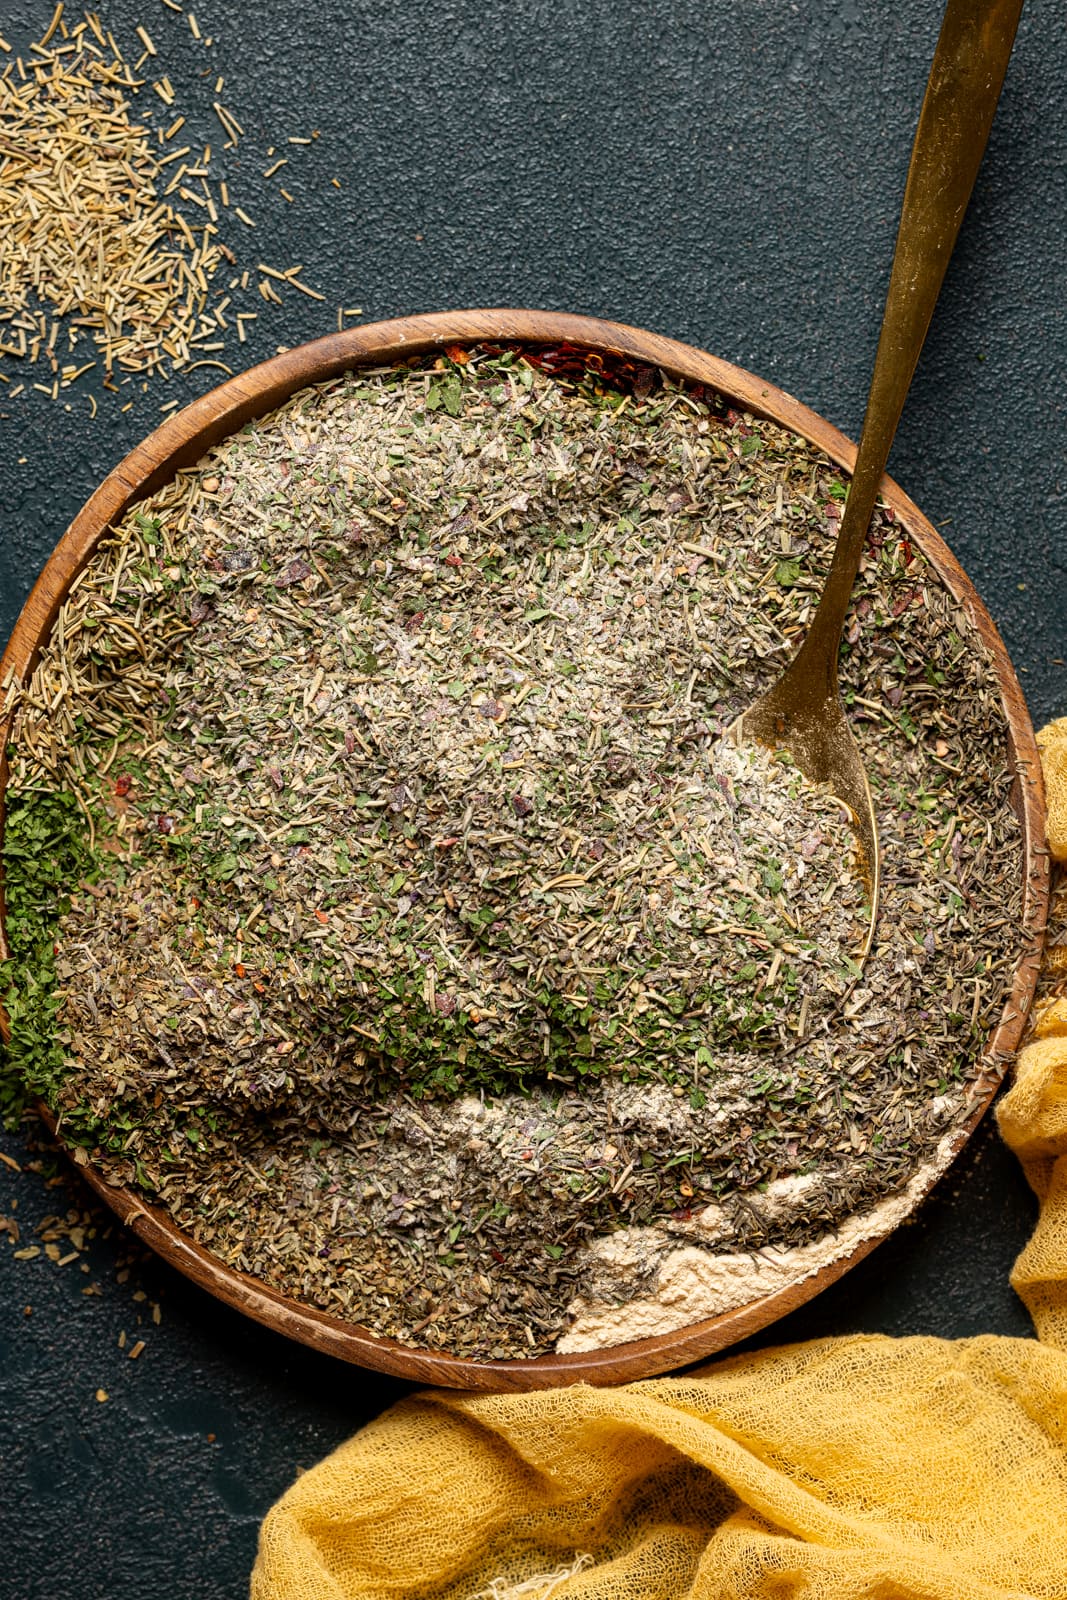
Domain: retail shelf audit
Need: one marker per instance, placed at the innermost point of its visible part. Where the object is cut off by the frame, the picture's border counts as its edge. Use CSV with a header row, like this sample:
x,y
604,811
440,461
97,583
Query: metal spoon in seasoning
x,y
803,712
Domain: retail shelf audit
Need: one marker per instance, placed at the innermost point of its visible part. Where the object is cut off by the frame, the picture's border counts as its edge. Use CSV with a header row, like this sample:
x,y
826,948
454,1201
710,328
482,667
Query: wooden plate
x,y
181,441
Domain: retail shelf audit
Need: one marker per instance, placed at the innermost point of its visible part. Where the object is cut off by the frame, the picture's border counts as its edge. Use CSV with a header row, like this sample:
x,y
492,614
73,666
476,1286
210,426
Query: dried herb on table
x,y
109,239
429,937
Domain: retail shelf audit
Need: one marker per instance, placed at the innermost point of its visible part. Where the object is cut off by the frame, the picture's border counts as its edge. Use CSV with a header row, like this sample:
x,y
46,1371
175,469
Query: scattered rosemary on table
x,y
411,927
115,223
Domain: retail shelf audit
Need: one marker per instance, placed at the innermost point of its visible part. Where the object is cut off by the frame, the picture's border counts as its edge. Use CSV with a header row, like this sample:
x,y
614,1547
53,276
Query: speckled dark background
x,y
729,175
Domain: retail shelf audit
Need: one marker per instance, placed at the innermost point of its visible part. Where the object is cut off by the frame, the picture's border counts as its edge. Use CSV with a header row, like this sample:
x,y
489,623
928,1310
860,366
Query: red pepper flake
x,y
453,561
907,554
123,784
295,572
320,916
644,378
238,967
446,844
164,822
456,353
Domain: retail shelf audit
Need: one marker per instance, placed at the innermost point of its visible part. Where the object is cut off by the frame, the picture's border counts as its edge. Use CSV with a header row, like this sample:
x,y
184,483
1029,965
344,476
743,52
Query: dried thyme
x,y
429,937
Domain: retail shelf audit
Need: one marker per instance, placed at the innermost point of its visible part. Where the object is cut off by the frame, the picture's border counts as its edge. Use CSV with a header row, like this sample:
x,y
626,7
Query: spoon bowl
x,y
815,730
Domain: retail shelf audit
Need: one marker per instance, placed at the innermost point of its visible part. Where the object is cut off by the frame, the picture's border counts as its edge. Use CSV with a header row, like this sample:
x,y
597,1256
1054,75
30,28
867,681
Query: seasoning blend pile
x,y
429,957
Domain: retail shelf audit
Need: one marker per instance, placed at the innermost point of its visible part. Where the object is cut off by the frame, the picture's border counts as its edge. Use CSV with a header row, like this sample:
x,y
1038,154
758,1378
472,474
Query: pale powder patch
x,y
694,1283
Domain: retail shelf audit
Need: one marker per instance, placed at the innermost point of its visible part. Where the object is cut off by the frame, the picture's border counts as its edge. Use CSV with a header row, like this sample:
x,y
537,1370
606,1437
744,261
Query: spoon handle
x,y
957,111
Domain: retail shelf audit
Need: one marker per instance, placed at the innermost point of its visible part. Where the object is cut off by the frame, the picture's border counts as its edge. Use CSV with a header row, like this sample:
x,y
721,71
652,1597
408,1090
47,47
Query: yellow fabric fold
x,y
908,1469
1052,743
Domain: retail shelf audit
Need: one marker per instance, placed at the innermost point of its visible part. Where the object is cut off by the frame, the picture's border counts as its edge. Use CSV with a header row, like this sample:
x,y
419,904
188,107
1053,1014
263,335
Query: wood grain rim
x,y
180,441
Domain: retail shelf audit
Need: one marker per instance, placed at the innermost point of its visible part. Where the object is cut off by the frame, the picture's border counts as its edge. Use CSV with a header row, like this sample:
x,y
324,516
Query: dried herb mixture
x,y
421,931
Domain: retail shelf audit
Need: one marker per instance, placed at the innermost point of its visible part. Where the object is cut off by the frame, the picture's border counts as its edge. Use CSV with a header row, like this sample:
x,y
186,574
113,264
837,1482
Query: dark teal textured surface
x,y
726,175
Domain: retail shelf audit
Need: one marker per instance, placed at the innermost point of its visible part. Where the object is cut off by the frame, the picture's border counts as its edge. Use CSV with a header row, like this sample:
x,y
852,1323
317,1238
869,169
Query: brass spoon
x,y
803,710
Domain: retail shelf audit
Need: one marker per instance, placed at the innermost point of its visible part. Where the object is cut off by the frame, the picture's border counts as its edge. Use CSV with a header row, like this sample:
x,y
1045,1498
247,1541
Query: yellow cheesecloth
x,y
892,1469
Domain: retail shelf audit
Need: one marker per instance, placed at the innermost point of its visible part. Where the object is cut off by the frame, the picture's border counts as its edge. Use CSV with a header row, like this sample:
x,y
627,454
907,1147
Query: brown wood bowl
x,y
181,441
